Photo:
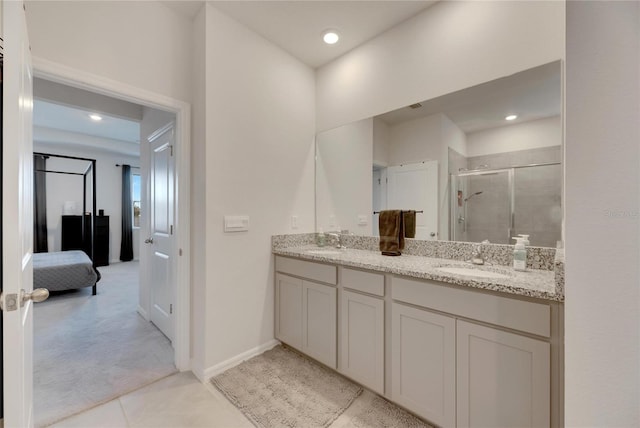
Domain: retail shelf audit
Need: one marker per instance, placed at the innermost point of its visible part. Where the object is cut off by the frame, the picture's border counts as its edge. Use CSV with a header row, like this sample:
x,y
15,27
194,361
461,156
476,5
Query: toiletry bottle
x,y
321,239
519,255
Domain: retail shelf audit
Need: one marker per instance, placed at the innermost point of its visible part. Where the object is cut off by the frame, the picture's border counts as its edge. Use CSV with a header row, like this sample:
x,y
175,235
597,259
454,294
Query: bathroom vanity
x,y
456,344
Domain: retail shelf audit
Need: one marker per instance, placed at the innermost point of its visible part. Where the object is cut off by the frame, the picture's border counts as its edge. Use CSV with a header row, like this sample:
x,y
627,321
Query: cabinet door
x,y
319,322
503,378
289,310
362,339
423,363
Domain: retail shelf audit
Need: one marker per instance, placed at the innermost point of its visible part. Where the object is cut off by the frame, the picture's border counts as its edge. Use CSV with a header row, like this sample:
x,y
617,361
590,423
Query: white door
x,y
160,240
17,218
415,187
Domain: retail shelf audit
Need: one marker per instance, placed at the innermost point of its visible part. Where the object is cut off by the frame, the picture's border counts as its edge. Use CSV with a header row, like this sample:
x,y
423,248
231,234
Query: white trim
x,y
143,313
205,374
81,79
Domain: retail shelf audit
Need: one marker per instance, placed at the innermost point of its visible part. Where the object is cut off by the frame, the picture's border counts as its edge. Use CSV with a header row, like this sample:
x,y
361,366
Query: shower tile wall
x,y
456,162
537,198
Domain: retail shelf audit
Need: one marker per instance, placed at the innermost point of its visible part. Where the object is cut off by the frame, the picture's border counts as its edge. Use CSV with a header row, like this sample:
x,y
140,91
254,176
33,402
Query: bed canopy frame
x,y
91,169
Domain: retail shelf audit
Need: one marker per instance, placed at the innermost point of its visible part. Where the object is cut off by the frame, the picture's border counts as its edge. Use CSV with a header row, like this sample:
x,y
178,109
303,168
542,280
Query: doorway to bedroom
x,y
92,188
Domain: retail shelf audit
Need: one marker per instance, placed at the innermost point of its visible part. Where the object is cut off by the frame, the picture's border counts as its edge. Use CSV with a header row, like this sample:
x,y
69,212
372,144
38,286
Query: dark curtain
x,y
126,245
40,241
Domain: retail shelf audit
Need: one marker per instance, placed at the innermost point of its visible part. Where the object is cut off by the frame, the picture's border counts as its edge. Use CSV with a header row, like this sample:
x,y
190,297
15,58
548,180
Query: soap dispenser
x,y
321,239
519,255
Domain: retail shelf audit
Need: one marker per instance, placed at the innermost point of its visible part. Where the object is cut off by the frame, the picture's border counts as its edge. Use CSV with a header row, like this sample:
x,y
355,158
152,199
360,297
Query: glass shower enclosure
x,y
497,204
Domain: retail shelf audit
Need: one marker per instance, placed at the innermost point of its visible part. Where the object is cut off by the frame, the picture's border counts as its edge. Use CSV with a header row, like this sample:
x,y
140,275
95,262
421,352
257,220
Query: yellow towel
x,y
391,227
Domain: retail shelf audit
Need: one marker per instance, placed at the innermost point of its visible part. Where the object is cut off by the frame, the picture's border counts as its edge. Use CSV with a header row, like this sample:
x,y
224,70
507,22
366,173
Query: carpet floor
x,y
91,349
281,388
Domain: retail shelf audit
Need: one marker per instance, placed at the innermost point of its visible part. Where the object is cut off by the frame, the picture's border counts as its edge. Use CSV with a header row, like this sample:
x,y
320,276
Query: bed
x,y
64,270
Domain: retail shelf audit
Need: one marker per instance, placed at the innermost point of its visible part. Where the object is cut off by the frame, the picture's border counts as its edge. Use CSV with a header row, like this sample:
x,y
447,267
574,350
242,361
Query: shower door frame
x,y
485,171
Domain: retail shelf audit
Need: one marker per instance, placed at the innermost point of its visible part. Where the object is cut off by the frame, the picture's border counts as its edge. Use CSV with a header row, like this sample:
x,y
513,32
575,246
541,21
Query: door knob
x,y
37,295
148,241
432,234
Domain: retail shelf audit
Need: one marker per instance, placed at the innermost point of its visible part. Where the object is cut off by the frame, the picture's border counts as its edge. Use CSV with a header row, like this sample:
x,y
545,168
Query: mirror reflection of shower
x,y
514,200
472,195
462,213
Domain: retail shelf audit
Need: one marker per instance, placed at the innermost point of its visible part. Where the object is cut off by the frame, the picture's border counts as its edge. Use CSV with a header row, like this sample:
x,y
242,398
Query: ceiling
x,y
531,94
297,26
50,115
54,119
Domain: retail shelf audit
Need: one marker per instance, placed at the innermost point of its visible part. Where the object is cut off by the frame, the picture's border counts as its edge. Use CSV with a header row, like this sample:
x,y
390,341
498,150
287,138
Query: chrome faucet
x,y
478,256
338,236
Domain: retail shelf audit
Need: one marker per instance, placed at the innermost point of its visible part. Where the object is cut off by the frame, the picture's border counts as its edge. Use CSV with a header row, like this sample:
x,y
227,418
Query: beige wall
x,y
260,126
602,182
450,46
140,43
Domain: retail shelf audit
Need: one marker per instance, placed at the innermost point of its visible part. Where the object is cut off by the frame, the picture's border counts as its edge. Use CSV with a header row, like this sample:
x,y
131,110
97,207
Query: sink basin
x,y
323,252
475,272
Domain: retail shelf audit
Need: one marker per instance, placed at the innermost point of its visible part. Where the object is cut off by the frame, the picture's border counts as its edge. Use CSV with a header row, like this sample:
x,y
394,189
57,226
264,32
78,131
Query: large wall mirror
x,y
483,163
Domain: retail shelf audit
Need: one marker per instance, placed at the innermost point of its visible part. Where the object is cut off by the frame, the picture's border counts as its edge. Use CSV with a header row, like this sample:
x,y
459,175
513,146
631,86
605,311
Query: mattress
x,y
63,270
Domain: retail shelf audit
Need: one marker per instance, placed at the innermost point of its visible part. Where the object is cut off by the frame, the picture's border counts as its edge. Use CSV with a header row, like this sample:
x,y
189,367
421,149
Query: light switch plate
x,y
236,223
362,220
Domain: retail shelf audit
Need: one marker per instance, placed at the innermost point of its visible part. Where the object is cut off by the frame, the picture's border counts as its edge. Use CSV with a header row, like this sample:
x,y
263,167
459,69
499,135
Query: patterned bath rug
x,y
373,411
281,388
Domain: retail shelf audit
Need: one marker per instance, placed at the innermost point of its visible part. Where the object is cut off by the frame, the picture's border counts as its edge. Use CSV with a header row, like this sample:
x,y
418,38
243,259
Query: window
x,y
135,198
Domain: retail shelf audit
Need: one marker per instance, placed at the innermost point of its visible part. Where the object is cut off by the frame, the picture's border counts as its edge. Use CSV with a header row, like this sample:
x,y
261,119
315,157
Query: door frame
x,y
59,73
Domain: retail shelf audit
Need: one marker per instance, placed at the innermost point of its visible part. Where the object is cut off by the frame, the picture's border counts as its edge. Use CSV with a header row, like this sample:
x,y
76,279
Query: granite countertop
x,y
540,284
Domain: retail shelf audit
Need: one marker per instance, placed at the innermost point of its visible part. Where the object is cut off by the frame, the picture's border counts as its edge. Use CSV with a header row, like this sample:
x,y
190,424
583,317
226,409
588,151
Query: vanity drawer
x,y
529,317
366,282
310,270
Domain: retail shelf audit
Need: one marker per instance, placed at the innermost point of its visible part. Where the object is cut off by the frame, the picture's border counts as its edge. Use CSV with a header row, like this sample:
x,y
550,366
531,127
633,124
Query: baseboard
x,y
234,361
197,370
143,313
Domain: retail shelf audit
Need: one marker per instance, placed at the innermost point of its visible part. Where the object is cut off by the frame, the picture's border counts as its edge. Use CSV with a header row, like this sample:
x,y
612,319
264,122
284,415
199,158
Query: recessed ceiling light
x,y
511,117
330,37
95,117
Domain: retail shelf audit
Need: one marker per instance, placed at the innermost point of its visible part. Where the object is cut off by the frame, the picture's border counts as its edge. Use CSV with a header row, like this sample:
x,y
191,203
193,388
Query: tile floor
x,y
178,401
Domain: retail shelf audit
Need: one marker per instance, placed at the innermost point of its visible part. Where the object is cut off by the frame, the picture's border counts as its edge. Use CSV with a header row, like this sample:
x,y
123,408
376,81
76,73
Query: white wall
x,y
380,142
344,177
450,46
199,324
429,138
140,43
260,126
61,188
602,179
520,136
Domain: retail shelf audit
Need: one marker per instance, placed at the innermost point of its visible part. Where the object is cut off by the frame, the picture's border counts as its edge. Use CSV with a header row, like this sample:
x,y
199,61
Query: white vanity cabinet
x,y
424,363
319,321
454,372
289,310
306,310
503,378
362,328
456,356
